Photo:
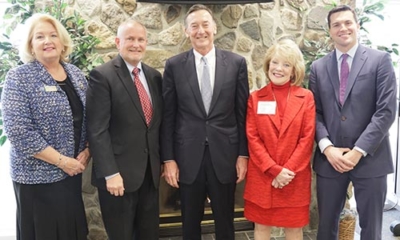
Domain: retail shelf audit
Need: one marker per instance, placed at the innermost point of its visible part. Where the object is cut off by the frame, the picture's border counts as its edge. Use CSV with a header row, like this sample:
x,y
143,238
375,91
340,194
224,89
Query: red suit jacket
x,y
276,144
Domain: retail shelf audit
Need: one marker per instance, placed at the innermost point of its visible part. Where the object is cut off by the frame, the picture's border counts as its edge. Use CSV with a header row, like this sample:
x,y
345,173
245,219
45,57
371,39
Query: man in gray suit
x,y
203,139
355,94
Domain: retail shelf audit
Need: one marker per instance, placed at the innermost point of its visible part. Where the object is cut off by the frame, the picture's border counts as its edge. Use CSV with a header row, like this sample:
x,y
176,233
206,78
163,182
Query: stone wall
x,y
247,29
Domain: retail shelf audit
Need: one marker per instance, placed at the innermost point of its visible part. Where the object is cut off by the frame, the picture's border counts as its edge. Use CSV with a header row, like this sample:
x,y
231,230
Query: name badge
x,y
266,107
50,88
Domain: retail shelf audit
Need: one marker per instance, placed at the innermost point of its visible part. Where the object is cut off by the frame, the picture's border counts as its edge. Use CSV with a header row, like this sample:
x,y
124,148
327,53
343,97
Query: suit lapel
x,y
126,79
356,66
189,66
266,94
49,81
333,75
220,73
45,76
293,106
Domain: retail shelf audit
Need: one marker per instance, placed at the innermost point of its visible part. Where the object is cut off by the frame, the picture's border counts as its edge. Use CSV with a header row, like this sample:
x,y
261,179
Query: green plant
x,y
84,55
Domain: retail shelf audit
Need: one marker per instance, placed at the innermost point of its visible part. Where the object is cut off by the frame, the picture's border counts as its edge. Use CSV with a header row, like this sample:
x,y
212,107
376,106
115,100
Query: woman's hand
x,y
284,178
71,166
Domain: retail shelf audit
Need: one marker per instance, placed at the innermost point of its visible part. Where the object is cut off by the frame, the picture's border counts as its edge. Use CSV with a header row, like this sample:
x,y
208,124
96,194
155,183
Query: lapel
x,y
45,76
189,66
356,66
293,106
265,94
333,75
220,76
126,79
78,85
48,80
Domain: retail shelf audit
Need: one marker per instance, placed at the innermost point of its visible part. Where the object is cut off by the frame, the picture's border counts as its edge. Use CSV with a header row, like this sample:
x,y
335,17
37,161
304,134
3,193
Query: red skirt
x,y
287,217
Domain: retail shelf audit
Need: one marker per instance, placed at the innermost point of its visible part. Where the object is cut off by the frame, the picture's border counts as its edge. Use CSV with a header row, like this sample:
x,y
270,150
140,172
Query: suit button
x,y
207,122
146,150
343,118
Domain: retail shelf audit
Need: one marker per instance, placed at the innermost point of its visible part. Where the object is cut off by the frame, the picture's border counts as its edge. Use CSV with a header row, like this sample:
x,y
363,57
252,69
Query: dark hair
x,y
198,7
341,8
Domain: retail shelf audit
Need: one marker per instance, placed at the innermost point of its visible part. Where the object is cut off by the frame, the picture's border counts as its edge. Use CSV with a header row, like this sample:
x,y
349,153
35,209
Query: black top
x,y
76,108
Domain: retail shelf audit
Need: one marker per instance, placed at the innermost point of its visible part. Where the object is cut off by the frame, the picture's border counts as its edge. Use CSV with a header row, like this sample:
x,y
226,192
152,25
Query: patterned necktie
x,y
344,75
143,96
206,91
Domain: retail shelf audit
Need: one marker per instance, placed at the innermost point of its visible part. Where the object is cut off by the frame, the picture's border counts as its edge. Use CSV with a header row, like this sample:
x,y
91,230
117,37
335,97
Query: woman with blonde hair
x,y
43,107
280,129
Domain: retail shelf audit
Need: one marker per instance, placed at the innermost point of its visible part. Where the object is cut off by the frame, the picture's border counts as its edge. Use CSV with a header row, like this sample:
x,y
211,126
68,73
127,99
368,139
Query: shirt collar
x,y
131,67
351,52
209,55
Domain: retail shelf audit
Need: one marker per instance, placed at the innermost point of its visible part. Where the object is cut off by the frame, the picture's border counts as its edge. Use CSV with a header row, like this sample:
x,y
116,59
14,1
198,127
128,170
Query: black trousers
x,y
193,197
135,215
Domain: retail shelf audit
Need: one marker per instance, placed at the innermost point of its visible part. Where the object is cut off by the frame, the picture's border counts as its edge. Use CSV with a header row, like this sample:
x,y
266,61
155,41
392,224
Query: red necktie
x,y
143,96
344,75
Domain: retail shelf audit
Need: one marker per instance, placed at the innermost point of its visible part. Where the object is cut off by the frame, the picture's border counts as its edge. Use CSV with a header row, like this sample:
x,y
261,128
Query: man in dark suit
x,y
355,94
124,107
203,140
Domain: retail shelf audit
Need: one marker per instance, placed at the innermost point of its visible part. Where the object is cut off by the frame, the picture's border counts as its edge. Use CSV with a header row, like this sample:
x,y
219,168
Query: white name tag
x,y
50,88
266,107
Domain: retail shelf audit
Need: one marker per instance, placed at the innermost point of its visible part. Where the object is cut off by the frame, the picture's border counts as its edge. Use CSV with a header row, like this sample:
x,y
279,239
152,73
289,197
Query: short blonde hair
x,y
289,51
25,50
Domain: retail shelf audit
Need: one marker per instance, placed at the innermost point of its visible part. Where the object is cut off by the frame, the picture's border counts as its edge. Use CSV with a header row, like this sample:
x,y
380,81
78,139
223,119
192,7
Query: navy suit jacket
x,y
186,126
368,111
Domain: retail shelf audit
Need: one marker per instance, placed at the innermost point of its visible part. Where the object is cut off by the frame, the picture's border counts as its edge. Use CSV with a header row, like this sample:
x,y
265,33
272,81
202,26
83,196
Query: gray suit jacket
x,y
186,126
119,139
368,111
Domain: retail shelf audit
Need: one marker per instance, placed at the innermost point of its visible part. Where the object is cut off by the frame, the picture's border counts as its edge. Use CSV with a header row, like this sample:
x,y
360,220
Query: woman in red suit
x,y
280,131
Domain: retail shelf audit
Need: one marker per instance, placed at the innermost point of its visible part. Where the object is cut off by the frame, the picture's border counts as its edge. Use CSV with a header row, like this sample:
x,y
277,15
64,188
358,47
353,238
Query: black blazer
x,y
119,139
186,125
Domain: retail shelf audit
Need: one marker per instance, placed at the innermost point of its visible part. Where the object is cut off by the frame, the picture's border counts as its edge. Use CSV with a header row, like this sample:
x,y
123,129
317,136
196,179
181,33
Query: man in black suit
x,y
203,142
124,114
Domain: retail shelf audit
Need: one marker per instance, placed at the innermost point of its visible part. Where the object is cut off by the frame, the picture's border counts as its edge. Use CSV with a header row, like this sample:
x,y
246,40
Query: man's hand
x,y
171,173
115,185
284,178
84,157
336,159
353,156
241,168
